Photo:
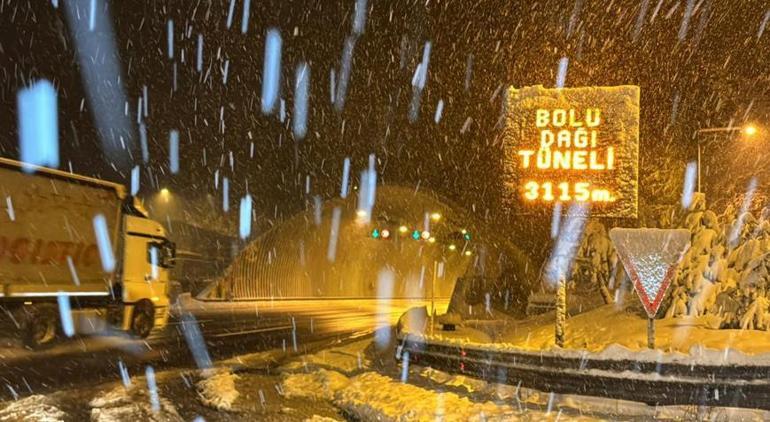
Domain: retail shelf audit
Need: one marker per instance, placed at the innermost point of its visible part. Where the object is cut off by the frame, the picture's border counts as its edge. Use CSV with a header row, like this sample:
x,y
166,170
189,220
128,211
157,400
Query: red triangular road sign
x,y
650,257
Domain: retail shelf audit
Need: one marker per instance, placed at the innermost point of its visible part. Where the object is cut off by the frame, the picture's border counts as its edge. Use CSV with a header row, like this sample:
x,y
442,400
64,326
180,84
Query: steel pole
x,y
433,296
561,311
651,333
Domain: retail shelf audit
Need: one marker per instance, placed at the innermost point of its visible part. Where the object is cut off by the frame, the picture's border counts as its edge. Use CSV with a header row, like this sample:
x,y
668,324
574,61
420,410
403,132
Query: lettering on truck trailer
x,y
23,250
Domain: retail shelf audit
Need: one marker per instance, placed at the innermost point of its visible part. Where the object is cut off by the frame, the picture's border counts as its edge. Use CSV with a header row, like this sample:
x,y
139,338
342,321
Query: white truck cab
x,y
145,284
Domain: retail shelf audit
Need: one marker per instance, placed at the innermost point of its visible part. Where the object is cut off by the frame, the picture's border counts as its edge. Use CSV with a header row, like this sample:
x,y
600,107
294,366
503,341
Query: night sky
x,y
700,69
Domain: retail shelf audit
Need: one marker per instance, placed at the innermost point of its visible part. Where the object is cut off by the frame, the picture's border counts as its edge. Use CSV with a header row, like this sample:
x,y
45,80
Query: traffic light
x,y
416,235
379,233
466,234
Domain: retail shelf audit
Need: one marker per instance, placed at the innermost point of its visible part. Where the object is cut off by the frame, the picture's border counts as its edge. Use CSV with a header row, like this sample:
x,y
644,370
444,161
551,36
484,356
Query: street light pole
x,y
748,130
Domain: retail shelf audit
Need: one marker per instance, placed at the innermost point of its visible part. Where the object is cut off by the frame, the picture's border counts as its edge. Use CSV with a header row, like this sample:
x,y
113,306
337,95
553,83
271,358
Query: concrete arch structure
x,y
330,252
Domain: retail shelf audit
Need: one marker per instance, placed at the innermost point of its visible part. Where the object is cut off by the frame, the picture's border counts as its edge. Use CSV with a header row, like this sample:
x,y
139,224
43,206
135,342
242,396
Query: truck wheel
x,y
41,323
143,319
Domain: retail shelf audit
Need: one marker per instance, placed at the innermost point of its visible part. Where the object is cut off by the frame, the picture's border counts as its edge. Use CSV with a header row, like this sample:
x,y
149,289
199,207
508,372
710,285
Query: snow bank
x,y
317,418
589,405
371,396
131,404
614,334
217,390
710,413
318,385
37,408
348,359
698,355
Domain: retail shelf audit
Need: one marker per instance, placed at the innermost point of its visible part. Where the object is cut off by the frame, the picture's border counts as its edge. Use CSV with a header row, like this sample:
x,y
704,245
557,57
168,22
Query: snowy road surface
x,y
352,380
228,329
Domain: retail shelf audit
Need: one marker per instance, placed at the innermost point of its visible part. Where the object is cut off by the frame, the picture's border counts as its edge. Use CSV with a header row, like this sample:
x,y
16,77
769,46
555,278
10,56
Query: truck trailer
x,y
81,241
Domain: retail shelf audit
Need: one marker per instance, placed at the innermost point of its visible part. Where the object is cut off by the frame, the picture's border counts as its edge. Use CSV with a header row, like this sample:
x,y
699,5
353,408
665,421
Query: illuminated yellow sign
x,y
573,145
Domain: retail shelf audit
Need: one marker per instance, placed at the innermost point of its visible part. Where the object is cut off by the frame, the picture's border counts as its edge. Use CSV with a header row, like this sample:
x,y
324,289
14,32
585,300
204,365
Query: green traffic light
x,y
416,235
467,236
375,233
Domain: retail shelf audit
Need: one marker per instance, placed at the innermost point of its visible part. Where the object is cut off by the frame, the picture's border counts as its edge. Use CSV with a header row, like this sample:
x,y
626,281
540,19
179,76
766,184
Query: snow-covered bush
x,y
726,270
724,275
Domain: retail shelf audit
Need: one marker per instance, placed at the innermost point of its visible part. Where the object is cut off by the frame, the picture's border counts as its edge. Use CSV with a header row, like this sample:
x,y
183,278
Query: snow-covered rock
x,y
348,359
371,396
317,385
131,404
36,408
317,418
217,390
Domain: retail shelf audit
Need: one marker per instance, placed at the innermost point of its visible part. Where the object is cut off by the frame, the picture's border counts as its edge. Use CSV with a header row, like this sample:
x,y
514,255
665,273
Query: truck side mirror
x,y
165,253
170,253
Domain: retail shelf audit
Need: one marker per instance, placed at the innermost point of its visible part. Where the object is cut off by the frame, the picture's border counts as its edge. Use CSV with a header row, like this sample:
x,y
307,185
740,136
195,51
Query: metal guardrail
x,y
653,383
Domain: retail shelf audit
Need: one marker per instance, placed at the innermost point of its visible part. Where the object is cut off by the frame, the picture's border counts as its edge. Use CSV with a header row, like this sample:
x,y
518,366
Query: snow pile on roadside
x,y
217,390
697,354
318,385
710,413
613,334
587,405
519,394
347,359
434,375
371,396
440,377
132,403
36,408
470,384
317,418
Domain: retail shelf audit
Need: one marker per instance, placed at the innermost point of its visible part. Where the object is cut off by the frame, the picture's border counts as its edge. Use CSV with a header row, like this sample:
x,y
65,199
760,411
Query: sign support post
x,y
561,311
650,333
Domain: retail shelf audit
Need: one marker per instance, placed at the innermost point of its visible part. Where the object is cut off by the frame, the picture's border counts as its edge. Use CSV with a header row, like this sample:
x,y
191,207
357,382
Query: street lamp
x,y
748,130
